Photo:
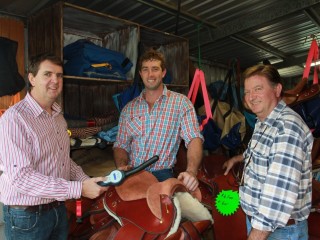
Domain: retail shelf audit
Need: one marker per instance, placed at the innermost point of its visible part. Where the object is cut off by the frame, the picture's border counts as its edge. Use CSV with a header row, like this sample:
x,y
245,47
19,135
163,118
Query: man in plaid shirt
x,y
155,122
275,190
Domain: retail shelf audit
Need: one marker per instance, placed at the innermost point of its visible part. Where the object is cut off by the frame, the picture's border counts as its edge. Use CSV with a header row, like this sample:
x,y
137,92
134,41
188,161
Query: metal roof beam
x,y
281,9
253,42
169,9
291,62
313,16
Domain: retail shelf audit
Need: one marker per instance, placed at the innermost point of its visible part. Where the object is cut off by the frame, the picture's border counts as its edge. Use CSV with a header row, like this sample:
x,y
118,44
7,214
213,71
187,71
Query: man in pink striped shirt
x,y
37,172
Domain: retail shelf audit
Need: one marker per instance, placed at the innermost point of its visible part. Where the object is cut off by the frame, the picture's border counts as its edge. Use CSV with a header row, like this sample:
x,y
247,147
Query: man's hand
x,y
91,189
189,180
231,162
258,235
228,166
125,168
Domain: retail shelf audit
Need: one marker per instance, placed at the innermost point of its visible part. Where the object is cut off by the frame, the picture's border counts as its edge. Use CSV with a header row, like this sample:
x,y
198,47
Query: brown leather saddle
x,y
142,208
301,92
148,209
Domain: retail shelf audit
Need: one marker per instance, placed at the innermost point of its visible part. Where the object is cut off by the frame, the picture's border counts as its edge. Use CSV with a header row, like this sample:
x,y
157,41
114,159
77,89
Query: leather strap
x,y
197,80
312,55
190,230
129,230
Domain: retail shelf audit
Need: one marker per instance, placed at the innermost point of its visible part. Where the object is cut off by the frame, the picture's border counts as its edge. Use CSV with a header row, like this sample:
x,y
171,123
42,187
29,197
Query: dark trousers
x,y
163,174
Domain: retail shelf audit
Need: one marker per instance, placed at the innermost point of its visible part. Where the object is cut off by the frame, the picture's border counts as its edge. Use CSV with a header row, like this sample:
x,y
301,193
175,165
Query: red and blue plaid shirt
x,y
144,133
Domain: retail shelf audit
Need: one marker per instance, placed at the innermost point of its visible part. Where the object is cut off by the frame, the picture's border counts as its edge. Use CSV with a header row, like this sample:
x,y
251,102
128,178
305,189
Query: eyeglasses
x,y
241,183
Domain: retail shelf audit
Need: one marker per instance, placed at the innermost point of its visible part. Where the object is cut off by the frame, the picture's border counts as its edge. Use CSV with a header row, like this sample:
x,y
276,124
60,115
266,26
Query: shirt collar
x,y
165,93
274,115
37,110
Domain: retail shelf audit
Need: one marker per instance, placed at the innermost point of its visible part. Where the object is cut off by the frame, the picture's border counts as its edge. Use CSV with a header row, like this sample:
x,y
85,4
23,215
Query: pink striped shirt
x,y
34,156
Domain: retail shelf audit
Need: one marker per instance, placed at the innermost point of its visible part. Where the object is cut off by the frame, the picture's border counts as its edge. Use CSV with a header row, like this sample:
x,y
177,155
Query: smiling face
x,y
152,74
47,83
261,95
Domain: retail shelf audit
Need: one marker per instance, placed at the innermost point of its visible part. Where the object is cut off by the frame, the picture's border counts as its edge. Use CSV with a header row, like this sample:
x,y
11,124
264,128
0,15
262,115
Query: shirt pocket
x,y
260,159
136,125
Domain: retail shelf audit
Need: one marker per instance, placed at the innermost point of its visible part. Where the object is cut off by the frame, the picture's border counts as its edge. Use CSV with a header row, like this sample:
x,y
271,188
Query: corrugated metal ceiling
x,y
250,30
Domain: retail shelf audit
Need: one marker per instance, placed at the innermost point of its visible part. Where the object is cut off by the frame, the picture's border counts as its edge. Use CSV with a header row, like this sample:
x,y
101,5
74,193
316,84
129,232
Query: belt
x,y
38,208
163,170
290,221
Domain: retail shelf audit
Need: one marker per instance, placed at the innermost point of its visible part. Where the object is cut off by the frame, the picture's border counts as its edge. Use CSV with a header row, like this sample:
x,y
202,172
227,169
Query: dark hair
x,y
35,62
152,54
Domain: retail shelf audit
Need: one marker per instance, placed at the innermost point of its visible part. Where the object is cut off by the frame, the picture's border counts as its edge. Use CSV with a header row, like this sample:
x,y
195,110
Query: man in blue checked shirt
x,y
275,190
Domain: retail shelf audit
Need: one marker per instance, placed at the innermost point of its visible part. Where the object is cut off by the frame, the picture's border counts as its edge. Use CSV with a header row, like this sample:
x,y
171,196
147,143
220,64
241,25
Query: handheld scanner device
x,y
116,177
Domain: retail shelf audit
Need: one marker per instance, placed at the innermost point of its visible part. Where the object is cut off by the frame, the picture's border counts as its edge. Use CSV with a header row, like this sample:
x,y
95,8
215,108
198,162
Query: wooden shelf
x,y
96,79
93,96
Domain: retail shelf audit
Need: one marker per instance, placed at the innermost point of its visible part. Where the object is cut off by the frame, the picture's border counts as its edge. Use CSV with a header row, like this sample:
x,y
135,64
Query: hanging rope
x,y
199,50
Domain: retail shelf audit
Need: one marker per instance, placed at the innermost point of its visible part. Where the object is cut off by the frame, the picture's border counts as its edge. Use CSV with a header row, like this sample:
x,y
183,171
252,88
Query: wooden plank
x,y
45,32
71,99
87,99
4,27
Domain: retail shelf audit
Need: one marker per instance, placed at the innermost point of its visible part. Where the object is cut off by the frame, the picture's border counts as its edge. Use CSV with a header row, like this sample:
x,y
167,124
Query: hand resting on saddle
x,y
189,180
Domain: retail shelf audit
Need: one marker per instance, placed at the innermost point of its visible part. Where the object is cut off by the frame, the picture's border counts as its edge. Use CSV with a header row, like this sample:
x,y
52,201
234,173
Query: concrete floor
x,y
94,161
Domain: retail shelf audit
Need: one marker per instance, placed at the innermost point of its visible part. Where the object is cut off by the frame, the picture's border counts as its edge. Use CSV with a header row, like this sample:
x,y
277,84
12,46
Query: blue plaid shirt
x,y
277,181
144,133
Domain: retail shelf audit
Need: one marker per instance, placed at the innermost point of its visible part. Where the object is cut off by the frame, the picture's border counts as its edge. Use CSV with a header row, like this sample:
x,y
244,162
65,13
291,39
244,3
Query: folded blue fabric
x,y
110,135
82,55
